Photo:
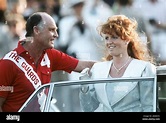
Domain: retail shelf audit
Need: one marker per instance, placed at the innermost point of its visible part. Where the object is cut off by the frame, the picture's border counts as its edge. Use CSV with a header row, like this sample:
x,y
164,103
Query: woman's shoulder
x,y
102,63
144,63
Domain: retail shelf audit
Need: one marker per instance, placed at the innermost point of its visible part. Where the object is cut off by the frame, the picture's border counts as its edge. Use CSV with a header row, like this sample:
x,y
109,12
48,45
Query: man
x,y
30,65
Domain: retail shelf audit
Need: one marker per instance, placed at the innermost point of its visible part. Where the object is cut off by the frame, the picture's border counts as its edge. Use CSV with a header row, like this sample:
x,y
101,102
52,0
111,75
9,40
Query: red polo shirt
x,y
13,76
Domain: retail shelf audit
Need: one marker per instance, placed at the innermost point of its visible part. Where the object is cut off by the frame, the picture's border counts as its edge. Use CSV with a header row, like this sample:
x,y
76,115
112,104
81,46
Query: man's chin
x,y
49,48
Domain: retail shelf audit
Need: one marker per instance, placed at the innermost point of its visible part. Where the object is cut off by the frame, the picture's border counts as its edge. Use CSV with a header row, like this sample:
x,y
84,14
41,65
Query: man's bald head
x,y
36,19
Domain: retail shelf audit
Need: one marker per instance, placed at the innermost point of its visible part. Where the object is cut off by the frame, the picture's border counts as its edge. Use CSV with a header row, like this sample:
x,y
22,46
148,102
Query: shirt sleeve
x,y
62,61
6,76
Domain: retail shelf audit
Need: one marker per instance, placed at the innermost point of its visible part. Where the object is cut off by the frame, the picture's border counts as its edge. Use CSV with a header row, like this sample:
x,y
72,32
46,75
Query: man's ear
x,y
36,30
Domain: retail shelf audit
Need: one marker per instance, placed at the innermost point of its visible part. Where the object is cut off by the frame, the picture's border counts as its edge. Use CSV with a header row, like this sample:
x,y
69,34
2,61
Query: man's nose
x,y
56,34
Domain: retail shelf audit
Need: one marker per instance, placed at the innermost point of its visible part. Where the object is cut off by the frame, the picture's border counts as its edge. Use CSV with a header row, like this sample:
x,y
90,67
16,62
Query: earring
x,y
127,42
121,55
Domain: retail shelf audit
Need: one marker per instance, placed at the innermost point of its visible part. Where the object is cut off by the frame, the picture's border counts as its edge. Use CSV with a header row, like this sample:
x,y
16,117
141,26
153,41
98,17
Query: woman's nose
x,y
109,41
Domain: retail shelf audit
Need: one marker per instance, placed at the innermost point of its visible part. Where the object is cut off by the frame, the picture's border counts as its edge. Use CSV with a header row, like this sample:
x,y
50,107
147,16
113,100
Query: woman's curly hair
x,y
126,29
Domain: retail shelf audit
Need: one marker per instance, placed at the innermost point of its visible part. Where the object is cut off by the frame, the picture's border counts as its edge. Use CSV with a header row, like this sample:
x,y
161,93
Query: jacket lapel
x,y
134,69
103,72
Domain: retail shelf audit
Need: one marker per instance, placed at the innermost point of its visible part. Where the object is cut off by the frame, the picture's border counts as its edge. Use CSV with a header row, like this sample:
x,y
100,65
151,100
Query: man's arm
x,y
2,100
83,64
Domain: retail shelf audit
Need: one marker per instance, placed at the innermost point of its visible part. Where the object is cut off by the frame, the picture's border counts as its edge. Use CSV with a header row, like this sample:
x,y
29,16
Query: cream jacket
x,y
137,97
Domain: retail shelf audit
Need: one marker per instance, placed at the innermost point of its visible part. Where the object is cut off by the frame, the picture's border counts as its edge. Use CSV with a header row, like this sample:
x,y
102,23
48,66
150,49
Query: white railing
x,y
82,82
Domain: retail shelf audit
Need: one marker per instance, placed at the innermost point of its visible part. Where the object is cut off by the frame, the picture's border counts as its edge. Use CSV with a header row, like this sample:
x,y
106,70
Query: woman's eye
x,y
114,37
106,38
109,38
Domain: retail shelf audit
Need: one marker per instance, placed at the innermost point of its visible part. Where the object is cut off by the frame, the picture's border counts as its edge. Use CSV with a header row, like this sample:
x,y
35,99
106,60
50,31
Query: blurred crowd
x,y
77,21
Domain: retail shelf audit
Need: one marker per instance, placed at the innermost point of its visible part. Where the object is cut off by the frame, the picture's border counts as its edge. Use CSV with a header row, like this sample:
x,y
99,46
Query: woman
x,y
126,56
